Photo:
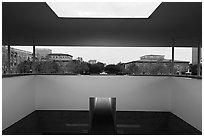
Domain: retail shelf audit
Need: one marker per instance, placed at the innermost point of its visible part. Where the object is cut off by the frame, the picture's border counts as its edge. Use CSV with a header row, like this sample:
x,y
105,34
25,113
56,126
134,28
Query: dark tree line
x,y
71,67
84,68
47,67
193,69
40,67
150,69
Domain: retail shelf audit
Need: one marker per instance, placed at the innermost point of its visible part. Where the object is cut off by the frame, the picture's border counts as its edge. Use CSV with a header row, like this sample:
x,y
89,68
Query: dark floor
x,y
65,122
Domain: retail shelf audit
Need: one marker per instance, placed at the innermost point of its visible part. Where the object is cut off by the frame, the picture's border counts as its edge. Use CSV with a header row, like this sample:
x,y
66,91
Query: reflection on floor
x,y
102,123
63,122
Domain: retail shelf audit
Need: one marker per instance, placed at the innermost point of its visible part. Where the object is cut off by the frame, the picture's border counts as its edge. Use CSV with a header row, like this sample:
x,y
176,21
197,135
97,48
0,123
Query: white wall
x,y
132,92
17,99
23,95
187,100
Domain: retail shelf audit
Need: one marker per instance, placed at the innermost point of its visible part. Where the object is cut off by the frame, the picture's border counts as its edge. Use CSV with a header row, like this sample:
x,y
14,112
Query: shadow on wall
x,y
18,98
187,100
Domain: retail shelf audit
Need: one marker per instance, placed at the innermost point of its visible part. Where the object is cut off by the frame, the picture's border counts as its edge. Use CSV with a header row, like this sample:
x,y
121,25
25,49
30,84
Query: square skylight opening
x,y
103,9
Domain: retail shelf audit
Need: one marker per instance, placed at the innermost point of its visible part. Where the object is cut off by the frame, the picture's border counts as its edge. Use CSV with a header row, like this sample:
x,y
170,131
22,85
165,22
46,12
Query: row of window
x,y
59,57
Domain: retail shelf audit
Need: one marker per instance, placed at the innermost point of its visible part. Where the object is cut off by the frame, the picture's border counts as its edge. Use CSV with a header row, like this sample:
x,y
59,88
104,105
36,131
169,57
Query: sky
x,y
114,55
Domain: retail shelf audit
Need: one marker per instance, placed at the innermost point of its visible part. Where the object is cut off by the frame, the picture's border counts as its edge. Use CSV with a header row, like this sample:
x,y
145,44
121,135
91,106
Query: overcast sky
x,y
114,55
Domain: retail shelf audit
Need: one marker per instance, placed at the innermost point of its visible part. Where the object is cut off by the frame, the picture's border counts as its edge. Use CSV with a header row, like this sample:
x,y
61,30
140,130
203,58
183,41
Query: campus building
x,y
16,57
147,61
92,61
42,53
61,59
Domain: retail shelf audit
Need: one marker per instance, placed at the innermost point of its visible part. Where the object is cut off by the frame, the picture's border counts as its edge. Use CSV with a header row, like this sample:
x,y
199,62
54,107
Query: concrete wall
x,y
133,93
187,100
18,99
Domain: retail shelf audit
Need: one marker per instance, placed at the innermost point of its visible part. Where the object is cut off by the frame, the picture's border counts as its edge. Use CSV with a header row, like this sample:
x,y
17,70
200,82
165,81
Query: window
x,y
101,60
105,60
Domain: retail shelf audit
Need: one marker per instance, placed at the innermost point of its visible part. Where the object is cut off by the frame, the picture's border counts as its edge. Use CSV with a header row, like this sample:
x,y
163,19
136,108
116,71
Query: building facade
x,y
92,61
156,65
16,57
42,53
152,57
61,59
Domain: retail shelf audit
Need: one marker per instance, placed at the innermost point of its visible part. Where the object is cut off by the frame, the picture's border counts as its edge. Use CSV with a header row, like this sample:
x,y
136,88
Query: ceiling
x,y
25,22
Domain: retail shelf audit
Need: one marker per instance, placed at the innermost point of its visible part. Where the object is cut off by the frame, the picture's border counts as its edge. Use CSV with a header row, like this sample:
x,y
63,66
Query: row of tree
x,y
77,67
71,67
149,69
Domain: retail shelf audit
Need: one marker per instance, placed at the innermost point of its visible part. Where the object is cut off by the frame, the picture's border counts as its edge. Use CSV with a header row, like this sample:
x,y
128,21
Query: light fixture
x,y
103,9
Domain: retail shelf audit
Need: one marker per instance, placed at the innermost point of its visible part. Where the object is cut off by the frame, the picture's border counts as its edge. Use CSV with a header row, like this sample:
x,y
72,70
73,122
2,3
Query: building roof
x,y
153,55
20,50
155,61
59,54
40,49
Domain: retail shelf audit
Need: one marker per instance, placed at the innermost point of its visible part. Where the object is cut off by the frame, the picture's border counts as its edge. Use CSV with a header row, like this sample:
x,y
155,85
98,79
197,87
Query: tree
x,y
112,69
24,67
77,67
94,69
84,69
81,67
47,67
39,67
101,66
53,67
193,69
134,69
157,69
121,67
71,67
